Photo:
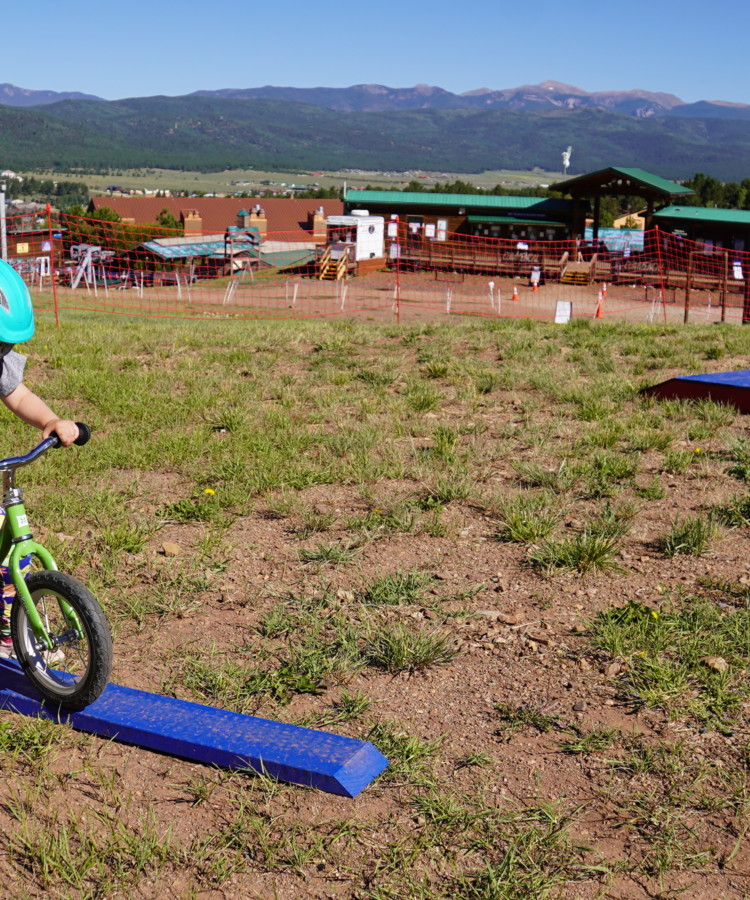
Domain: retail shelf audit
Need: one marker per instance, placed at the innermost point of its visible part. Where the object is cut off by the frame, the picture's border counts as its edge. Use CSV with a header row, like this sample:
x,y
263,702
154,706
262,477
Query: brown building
x,y
284,218
437,216
30,242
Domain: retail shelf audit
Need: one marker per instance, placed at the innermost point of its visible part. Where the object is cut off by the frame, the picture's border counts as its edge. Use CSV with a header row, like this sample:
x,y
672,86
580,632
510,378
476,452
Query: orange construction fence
x,y
76,263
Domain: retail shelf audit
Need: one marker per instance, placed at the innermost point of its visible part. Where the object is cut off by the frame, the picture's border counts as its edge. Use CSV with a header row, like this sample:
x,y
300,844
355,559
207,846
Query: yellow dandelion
x,y
654,613
697,450
209,491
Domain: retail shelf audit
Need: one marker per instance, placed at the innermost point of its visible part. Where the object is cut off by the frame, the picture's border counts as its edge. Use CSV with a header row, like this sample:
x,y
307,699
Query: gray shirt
x,y
11,373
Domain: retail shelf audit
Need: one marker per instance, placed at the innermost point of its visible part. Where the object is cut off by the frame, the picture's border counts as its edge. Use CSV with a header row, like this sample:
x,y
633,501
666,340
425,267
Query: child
x,y
17,326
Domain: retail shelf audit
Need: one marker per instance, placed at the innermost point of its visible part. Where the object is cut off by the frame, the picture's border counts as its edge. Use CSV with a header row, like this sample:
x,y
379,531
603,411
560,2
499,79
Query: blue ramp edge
x,y
329,762
739,378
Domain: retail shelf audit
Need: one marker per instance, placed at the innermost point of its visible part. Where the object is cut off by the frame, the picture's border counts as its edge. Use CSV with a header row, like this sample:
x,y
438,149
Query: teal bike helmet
x,y
16,311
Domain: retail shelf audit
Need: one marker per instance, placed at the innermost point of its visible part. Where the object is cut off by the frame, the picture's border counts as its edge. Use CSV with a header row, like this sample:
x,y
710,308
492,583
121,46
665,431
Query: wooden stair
x,y
578,272
330,269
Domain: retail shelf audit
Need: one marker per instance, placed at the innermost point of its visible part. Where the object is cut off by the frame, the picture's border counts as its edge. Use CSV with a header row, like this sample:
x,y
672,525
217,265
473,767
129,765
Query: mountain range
x,y
548,95
377,127
11,95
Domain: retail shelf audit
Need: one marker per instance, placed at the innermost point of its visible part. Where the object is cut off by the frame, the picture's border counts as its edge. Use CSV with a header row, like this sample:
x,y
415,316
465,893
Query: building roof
x,y
285,254
620,181
211,245
363,199
517,220
704,214
469,201
354,220
287,216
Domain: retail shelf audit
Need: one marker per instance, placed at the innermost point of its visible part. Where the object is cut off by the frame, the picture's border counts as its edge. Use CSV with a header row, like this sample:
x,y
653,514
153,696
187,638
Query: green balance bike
x,y
60,634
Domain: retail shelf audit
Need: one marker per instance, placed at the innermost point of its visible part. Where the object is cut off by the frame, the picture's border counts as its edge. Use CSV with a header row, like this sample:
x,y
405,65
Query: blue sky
x,y
688,48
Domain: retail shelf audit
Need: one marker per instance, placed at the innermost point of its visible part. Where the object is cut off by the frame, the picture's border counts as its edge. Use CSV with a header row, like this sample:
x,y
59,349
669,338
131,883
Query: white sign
x,y
563,312
737,269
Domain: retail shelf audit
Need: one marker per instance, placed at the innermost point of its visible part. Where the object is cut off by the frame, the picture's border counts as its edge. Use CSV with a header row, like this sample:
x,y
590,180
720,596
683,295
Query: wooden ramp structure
x,y
729,388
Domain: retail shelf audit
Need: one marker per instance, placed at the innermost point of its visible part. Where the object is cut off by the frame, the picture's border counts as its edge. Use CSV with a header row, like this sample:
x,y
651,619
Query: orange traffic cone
x,y
599,305
535,286
604,291
515,292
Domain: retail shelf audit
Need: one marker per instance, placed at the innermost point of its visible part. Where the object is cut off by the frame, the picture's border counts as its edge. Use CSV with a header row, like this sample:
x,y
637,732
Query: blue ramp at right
x,y
730,388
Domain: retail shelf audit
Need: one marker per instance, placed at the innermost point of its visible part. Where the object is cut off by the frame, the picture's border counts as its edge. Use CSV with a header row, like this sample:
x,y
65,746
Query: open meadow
x,y
253,180
471,543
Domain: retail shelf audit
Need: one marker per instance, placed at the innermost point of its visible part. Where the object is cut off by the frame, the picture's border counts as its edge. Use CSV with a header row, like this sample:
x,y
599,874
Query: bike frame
x,y
16,542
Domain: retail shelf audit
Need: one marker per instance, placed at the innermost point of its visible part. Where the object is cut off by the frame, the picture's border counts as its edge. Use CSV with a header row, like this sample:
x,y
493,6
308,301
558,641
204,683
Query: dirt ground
x,y
521,648
411,296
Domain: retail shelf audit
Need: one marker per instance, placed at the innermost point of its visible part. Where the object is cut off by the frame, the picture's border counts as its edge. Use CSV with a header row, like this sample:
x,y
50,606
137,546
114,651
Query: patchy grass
x,y
692,536
527,518
383,531
686,655
585,553
399,588
398,648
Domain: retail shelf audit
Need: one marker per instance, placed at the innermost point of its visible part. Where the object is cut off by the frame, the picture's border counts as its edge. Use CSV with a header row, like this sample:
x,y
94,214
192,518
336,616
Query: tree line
x,y
711,192
61,194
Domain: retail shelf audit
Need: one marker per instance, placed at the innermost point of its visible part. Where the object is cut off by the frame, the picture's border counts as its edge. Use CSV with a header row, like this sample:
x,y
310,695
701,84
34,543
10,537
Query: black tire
x,y
79,678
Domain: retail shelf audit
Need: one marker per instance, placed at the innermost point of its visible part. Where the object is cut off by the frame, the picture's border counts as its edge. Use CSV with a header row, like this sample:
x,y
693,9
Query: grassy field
x,y
252,180
473,544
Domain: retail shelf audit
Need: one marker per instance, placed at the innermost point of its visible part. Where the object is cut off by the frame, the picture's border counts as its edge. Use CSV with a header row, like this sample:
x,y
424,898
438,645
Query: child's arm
x,y
34,411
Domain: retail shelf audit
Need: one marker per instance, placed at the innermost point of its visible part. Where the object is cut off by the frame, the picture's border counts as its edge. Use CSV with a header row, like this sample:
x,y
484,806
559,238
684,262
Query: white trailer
x,y
364,233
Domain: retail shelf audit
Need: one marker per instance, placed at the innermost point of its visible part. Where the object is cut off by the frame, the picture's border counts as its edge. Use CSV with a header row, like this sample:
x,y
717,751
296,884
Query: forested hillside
x,y
209,133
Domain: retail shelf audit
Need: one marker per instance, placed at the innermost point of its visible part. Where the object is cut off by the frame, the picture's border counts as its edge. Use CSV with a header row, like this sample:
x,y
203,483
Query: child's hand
x,y
66,430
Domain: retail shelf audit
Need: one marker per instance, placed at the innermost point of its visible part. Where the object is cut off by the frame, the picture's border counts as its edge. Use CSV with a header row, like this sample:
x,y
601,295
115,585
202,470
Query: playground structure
x,y
88,258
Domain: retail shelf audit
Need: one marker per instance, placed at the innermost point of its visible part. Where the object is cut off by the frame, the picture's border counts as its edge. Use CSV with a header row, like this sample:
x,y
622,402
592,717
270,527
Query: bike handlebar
x,y
14,462
84,435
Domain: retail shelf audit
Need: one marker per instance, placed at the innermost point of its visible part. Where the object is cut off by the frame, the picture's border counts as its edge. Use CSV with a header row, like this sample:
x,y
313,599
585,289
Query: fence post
x,y
725,287
687,286
660,269
398,273
746,301
52,269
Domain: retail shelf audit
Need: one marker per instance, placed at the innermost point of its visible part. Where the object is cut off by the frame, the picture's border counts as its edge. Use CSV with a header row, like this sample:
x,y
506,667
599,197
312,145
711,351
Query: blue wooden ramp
x,y
329,762
730,388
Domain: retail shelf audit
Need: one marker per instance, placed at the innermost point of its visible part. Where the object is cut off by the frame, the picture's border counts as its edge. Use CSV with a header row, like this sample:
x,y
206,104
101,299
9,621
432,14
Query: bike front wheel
x,y
76,672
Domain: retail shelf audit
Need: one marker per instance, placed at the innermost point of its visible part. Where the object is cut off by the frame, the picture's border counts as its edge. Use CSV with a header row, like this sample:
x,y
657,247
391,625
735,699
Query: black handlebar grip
x,y
84,434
